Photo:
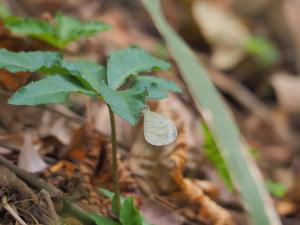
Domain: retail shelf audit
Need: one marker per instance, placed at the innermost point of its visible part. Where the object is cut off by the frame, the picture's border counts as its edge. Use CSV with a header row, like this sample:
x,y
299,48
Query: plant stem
x,y
69,209
116,200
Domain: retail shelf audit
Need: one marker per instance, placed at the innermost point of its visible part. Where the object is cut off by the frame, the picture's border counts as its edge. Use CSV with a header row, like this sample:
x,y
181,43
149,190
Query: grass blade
x,y
244,172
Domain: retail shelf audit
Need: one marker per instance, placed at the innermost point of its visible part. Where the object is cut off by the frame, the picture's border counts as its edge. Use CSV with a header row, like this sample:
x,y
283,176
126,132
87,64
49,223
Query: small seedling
x,y
119,83
60,33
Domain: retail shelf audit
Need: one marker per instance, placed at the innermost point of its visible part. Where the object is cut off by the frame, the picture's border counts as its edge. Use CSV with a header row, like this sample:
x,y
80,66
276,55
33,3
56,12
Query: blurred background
x,y
251,51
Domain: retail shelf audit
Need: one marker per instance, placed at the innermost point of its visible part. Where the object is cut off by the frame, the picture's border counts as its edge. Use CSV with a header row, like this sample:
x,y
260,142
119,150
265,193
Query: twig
x,y
30,179
52,211
12,212
68,208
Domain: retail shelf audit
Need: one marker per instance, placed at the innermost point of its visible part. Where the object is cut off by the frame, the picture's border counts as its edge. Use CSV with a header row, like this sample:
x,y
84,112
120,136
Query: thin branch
x,y
52,211
69,208
12,212
33,181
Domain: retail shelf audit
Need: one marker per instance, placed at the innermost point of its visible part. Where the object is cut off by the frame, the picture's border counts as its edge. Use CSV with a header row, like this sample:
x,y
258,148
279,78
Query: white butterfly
x,y
158,130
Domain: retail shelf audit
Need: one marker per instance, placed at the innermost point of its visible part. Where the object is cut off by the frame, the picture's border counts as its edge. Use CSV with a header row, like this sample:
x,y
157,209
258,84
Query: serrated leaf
x,y
28,61
32,27
102,220
52,89
65,29
69,29
126,104
89,73
156,87
129,215
132,60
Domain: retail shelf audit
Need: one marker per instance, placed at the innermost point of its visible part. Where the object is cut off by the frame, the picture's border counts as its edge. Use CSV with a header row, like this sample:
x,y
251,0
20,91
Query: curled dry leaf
x,y
224,31
29,158
159,170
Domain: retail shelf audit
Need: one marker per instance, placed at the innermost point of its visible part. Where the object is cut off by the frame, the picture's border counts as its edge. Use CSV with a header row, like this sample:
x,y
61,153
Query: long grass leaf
x,y
242,168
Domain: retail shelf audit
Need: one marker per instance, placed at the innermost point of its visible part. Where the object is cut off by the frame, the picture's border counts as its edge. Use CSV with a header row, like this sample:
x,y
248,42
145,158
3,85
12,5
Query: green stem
x,y
71,210
116,200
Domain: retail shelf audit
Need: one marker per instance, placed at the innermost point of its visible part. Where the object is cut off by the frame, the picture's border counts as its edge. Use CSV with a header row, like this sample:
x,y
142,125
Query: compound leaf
x,y
129,61
32,27
69,29
65,29
52,89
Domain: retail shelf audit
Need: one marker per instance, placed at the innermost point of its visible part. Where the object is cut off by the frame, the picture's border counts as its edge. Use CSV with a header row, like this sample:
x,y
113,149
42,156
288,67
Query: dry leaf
x,y
224,31
287,88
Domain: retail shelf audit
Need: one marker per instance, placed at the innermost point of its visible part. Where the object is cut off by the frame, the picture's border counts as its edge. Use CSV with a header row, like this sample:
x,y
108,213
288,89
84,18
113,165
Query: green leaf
x,y
28,61
65,29
276,189
129,215
110,195
69,29
156,87
53,89
127,104
263,49
101,220
244,172
213,154
106,193
129,61
88,73
32,27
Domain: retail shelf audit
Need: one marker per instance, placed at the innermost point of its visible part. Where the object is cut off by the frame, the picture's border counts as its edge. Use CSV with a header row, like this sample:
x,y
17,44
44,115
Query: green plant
x,y
276,189
60,33
129,214
213,154
264,50
118,84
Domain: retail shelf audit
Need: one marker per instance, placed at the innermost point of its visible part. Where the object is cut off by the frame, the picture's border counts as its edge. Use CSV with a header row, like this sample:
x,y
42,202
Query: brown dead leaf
x,y
13,81
224,31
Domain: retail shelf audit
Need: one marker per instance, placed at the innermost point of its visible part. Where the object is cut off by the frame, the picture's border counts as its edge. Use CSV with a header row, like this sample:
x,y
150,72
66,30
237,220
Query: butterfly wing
x,y
158,130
